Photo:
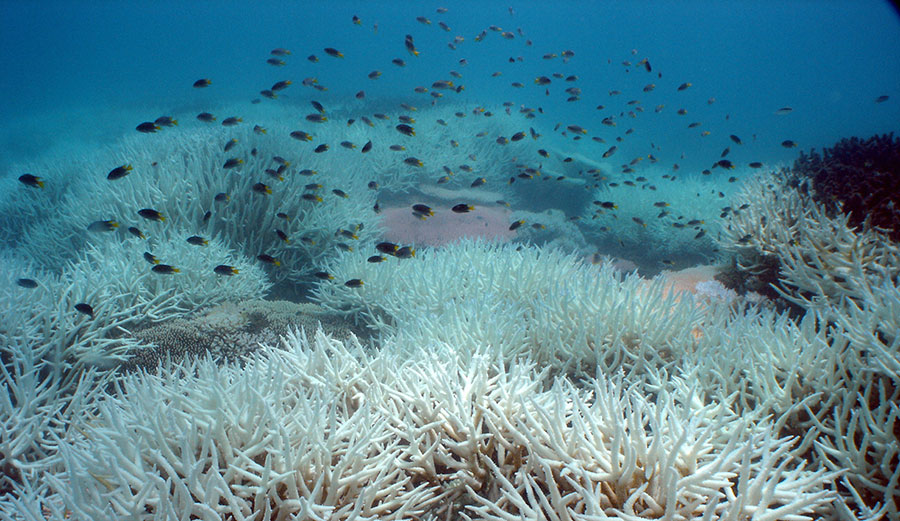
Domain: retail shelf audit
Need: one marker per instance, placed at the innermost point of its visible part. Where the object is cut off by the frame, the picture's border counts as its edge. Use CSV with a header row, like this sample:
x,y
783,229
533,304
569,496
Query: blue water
x,y
70,67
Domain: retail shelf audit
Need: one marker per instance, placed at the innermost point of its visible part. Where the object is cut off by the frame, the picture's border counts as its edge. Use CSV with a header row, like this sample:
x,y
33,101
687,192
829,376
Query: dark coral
x,y
862,175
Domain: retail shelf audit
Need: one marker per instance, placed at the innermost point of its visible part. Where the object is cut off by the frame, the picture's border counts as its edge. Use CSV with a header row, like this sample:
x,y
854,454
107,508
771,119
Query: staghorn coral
x,y
323,430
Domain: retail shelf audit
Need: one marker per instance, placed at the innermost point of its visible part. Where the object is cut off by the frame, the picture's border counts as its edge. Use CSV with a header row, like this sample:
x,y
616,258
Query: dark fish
x,y
736,139
755,164
324,275
321,148
684,86
516,224
331,51
224,269
366,147
133,230
413,161
232,162
150,258
354,283
783,110
376,258
206,117
81,307
724,163
199,84
340,193
463,208
281,85
301,135
148,127
151,214
882,98
166,121
422,209
261,188
788,144
102,226
611,151
164,269
406,130
280,51
316,118
311,197
478,182
268,259
275,62
387,247
196,240
31,180
27,283
405,252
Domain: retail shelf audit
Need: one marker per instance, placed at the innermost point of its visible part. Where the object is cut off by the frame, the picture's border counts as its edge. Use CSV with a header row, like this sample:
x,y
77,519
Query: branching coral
x,y
323,430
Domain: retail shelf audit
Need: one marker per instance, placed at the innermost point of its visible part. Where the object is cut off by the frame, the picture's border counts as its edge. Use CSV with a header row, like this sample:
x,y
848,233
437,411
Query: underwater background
x,y
468,260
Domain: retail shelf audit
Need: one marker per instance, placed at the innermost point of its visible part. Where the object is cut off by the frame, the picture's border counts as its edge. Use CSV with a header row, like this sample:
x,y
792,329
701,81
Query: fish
x,y
405,252
224,269
882,98
331,51
405,129
316,118
31,180
423,209
148,127
275,62
348,145
166,121
783,111
283,236
340,193
755,164
462,208
201,83
232,162
376,258
736,139
387,247
354,283
196,240
542,80
301,135
726,164
516,224
478,182
229,144
231,121
324,275
788,144
577,129
611,151
133,230
321,148
410,46
151,215
27,283
684,86
164,269
639,221
102,226
280,51
150,258
413,161
268,259
206,117
311,197
85,308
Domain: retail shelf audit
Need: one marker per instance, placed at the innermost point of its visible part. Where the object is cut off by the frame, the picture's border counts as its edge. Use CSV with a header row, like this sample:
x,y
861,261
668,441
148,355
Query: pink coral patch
x,y
445,226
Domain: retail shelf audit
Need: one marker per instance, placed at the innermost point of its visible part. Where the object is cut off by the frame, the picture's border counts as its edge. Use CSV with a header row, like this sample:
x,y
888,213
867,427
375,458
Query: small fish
x,y
340,193
410,46
311,197
133,230
30,180
788,144
374,75
700,234
82,307
639,221
27,283
301,135
755,164
229,144
882,98
405,252
324,275
321,148
166,121
268,259
726,164
164,269
206,117
516,224
366,147
151,214
354,283
423,209
275,62
376,258
660,204
348,145
611,151
150,258
231,121
478,182
316,118
102,226
280,51
196,240
684,86
413,161
232,162
148,127
283,236
205,82
331,51
405,129
783,111
462,208
736,139
224,269
387,247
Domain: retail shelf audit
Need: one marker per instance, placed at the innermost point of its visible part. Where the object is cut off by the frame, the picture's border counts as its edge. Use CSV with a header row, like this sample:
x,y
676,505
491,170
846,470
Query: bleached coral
x,y
323,430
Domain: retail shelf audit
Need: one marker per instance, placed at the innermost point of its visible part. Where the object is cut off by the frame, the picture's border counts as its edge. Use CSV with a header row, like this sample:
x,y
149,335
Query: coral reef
x,y
232,331
858,177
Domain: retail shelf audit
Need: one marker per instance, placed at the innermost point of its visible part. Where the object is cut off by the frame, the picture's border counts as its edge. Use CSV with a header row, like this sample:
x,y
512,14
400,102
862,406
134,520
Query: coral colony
x,y
458,344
